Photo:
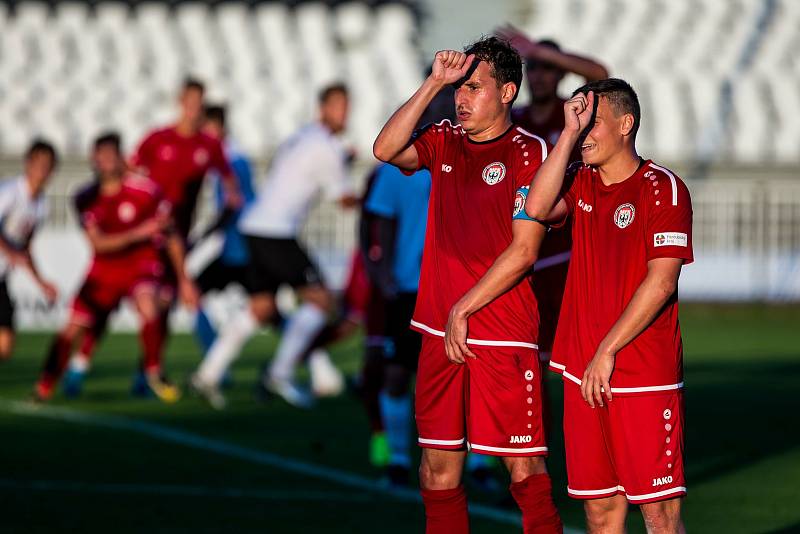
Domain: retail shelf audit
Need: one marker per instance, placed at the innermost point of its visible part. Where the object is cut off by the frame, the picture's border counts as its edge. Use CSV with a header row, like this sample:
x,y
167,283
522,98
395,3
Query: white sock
x,y
300,331
396,416
79,363
232,337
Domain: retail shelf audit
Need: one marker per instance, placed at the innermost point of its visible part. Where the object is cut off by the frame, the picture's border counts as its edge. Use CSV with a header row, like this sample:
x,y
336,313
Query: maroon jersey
x,y
138,200
469,225
549,129
617,229
178,165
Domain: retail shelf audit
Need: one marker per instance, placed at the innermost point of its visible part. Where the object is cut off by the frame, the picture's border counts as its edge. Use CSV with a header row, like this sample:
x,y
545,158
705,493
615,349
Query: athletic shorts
x,y
492,404
218,275
277,262
6,306
405,344
632,446
98,297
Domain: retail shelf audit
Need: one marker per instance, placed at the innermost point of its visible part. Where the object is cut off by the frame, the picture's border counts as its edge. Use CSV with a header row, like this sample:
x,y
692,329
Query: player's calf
x,y
607,515
663,517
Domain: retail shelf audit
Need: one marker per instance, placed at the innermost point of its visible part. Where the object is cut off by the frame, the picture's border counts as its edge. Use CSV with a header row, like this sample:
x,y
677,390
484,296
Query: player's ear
x,y
508,91
626,124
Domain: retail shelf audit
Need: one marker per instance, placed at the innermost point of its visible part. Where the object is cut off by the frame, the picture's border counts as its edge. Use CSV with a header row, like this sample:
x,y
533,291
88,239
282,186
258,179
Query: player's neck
x,y
620,167
494,131
186,128
110,185
33,190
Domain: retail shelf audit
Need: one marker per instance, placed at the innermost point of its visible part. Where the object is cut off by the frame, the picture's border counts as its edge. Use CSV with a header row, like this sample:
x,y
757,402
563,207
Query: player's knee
x,y
601,514
521,468
262,308
662,517
320,297
439,470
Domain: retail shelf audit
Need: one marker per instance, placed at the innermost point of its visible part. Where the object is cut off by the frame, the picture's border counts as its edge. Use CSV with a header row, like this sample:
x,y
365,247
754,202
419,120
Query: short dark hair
x,y
41,146
108,138
215,113
620,95
504,60
190,83
331,89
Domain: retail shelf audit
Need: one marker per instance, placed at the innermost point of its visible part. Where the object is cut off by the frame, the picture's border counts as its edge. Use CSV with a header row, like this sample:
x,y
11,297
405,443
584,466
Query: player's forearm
x,y
580,65
549,179
505,273
648,300
176,252
396,133
109,243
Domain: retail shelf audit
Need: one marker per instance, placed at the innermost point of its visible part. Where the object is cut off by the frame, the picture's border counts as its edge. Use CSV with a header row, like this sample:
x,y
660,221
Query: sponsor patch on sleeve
x,y
670,239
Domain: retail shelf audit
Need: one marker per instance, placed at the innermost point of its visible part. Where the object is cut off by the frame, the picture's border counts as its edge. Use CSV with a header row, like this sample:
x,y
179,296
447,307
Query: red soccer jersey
x,y
138,200
617,229
178,165
469,225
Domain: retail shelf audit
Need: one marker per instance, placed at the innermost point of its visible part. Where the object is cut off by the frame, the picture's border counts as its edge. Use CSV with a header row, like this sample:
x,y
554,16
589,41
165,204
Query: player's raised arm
x,y
549,179
392,143
529,48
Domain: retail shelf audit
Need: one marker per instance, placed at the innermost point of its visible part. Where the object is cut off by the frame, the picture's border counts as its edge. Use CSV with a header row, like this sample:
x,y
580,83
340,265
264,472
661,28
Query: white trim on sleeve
x,y
671,179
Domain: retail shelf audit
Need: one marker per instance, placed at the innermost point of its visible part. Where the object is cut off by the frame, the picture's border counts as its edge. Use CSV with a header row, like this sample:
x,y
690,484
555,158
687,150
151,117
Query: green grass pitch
x,y
109,463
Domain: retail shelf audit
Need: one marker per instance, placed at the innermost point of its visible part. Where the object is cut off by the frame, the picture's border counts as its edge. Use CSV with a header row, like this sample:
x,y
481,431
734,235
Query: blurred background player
x,y
177,158
230,266
22,209
311,160
129,227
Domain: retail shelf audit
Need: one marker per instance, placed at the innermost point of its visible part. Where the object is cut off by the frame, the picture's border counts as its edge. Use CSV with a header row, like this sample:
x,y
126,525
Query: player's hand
x,y
233,199
149,229
449,66
189,294
455,337
17,258
526,47
578,111
50,292
597,377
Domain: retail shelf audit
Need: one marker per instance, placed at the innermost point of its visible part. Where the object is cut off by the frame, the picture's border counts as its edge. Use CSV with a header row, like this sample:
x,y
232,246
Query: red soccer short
x,y
101,295
492,404
633,446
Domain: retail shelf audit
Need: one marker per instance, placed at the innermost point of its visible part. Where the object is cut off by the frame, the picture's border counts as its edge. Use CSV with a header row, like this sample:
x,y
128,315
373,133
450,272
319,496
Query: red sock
x,y
534,495
54,365
446,511
152,341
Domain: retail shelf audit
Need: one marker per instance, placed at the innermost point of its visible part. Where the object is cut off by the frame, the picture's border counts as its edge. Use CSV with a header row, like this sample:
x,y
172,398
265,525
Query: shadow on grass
x,y
736,414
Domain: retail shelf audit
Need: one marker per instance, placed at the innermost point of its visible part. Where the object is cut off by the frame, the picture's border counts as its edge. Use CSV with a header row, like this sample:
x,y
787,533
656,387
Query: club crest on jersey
x,y
126,212
519,202
200,157
166,153
624,214
494,173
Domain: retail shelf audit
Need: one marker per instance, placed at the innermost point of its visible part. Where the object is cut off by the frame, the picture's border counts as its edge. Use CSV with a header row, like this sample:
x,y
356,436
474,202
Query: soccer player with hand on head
x,y
618,344
486,393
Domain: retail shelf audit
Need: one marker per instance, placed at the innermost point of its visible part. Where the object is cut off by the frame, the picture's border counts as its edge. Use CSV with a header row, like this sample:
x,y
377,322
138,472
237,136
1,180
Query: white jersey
x,y
311,160
20,213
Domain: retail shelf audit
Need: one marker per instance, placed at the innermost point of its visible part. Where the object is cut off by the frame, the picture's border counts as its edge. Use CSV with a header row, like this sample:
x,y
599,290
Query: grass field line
x,y
181,490
170,434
